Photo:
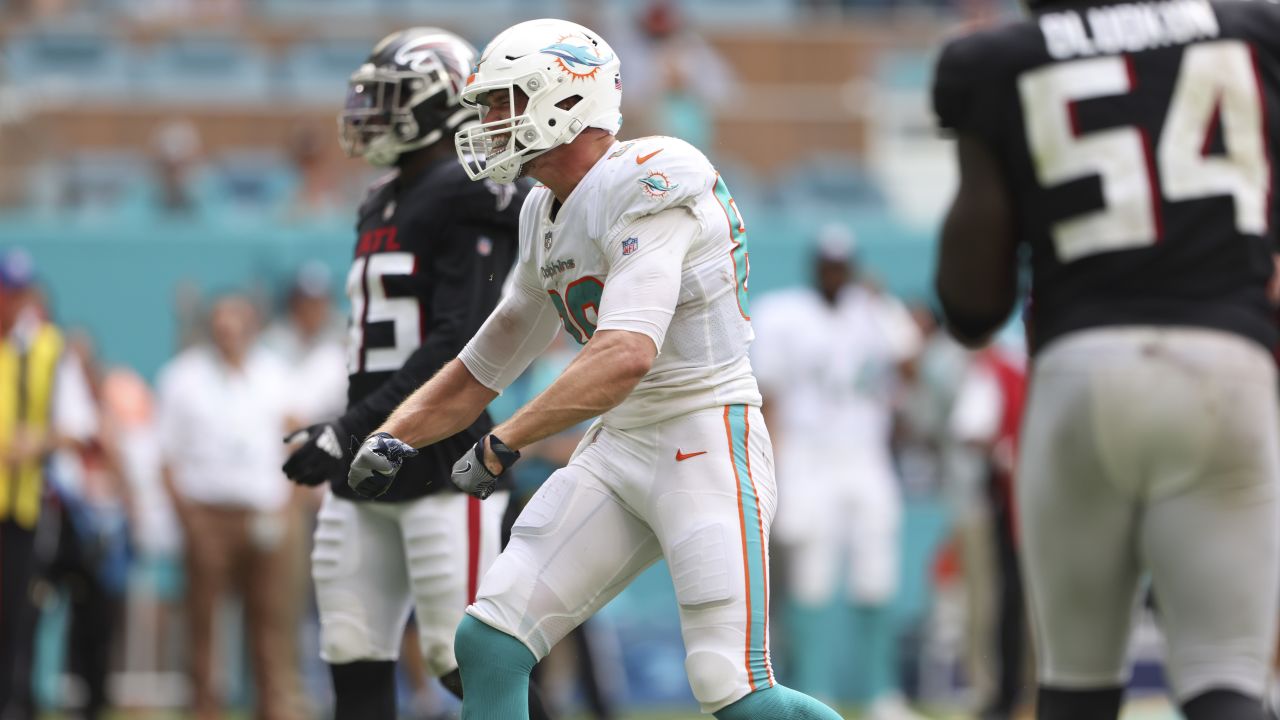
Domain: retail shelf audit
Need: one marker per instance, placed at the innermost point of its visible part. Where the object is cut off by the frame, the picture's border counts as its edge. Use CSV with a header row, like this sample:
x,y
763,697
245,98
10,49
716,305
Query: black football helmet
x,y
405,95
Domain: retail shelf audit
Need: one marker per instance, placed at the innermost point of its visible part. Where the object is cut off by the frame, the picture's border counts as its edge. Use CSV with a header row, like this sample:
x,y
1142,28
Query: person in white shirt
x,y
639,252
222,408
828,358
310,344
308,341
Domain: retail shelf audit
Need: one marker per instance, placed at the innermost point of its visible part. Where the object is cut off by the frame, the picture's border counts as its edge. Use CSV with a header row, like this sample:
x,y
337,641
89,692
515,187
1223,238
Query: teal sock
x,y
777,703
878,640
495,672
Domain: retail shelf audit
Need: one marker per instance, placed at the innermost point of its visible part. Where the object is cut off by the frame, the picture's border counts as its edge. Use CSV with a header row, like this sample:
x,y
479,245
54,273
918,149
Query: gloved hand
x,y
376,463
472,476
320,458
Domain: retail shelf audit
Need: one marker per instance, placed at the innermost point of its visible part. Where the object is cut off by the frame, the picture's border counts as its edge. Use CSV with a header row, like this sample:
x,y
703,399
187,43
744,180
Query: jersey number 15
x,y
1217,80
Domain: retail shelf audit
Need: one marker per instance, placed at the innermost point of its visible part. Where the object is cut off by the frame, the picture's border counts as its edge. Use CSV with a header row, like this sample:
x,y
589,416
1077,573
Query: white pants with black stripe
x,y
1152,450
373,563
696,490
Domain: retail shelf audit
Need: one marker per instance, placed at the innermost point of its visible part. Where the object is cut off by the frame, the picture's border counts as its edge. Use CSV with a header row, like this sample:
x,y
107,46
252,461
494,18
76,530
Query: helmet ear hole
x,y
569,102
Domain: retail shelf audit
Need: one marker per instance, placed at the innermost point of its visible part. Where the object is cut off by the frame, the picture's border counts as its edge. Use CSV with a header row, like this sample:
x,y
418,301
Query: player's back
x,y
1135,139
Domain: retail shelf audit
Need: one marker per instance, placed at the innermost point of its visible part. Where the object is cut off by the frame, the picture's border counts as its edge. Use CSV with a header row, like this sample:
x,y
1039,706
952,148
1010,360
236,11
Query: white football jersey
x,y
703,356
831,369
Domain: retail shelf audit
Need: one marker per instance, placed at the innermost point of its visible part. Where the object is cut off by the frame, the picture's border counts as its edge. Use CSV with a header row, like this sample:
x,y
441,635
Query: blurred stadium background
x,y
153,152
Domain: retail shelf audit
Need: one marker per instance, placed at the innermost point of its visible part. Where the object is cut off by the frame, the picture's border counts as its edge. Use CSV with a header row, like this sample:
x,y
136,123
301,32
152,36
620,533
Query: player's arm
x,y
977,274
463,292
520,328
637,305
598,380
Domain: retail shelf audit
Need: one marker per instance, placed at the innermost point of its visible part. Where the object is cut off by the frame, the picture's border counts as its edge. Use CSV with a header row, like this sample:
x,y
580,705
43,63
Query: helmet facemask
x,y
379,122
554,79
540,118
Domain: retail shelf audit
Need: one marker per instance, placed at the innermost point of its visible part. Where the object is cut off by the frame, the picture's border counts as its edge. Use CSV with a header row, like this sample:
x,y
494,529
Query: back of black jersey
x,y
1137,140
430,261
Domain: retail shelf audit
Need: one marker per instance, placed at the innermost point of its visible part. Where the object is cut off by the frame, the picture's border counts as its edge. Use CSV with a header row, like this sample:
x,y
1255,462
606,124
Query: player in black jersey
x,y
432,253
1130,148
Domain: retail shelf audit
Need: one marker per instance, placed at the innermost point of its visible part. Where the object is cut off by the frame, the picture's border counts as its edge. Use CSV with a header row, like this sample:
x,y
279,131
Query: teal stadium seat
x,y
249,183
824,180
315,72
91,183
59,64
205,69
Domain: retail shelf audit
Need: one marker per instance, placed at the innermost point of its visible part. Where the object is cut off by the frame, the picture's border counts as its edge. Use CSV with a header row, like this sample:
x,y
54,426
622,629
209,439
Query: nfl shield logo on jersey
x,y
630,245
546,241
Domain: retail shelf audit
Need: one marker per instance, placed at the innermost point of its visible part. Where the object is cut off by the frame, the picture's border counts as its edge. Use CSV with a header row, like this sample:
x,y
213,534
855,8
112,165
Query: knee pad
x,y
344,640
713,677
344,634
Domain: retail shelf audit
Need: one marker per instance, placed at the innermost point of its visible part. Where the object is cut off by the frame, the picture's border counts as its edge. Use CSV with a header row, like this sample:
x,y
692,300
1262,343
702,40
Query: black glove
x,y
470,474
376,463
320,458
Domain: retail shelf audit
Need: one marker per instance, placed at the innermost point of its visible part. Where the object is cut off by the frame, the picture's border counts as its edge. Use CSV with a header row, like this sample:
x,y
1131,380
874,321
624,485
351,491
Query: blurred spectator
x,y
673,78
828,359
933,464
223,409
925,445
319,191
176,153
45,405
155,583
309,342
986,417
89,554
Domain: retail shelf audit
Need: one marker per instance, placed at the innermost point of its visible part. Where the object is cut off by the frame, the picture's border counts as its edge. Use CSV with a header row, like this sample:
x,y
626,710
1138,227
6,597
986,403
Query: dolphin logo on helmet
x,y
576,55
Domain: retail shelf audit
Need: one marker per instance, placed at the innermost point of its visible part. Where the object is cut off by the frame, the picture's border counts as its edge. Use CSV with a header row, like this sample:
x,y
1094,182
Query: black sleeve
x,y
466,285
966,89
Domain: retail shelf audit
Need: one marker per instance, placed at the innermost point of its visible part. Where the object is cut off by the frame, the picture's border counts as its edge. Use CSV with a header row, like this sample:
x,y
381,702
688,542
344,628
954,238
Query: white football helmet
x,y
551,62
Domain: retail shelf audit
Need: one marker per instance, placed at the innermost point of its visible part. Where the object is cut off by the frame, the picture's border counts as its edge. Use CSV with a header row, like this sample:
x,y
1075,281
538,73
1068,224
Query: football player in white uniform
x,y
639,252
828,359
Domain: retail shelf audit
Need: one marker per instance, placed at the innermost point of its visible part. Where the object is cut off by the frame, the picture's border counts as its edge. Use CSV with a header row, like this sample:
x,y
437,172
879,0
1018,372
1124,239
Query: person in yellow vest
x,y
44,404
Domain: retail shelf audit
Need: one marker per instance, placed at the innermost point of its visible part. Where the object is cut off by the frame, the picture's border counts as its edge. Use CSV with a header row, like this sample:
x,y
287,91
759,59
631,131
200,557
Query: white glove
x,y
472,476
376,464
